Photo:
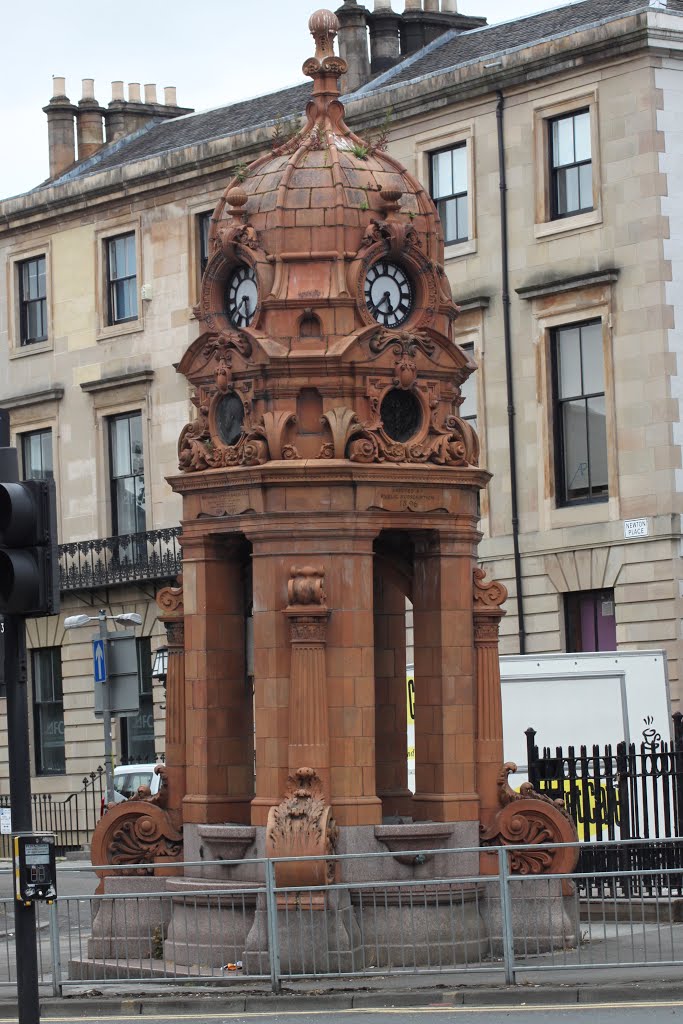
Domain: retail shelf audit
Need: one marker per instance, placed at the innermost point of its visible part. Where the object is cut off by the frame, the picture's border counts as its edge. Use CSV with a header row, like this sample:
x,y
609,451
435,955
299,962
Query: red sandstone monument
x,y
327,477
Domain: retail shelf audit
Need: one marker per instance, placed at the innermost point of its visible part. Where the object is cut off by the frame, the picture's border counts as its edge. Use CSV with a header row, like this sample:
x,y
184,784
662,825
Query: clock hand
x,y
385,301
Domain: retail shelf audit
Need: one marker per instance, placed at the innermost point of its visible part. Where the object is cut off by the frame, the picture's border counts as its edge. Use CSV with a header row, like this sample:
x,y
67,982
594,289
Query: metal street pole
x,y
20,802
106,713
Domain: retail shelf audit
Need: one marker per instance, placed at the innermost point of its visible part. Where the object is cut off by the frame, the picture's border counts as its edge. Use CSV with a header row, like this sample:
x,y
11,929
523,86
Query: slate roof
x,y
455,49
451,50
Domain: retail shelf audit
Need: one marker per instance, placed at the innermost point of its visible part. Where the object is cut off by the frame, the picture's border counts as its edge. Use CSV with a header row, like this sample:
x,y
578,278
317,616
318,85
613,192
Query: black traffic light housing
x,y
29,560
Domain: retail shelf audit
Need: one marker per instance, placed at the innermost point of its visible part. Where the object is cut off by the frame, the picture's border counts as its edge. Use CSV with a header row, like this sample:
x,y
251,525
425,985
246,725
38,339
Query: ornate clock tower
x,y
326,478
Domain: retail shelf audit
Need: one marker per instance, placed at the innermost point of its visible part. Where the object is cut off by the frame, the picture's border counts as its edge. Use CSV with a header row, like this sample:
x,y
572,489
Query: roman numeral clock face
x,y
388,293
242,296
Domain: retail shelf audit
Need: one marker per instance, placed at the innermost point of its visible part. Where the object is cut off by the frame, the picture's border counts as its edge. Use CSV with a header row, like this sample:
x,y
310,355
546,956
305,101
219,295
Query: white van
x,y
129,777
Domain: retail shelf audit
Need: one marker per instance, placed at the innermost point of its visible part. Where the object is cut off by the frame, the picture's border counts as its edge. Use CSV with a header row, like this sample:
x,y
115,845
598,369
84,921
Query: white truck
x,y
575,700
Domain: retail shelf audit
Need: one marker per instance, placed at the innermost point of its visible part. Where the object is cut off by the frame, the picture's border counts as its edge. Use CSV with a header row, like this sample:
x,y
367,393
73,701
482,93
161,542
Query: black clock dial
x,y
242,296
388,293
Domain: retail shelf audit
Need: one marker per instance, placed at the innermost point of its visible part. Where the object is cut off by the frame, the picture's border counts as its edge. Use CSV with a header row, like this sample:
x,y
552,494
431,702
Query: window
x,y
32,300
203,225
122,285
36,455
571,165
449,191
48,711
137,732
127,474
580,414
590,620
468,390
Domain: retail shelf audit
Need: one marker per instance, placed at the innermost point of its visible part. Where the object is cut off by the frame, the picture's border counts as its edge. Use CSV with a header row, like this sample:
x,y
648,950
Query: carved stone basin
x,y
227,842
414,837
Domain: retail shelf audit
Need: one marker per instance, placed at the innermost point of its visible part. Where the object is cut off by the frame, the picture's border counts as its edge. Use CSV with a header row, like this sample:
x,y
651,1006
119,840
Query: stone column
x,y
170,602
349,664
390,695
445,705
219,720
309,731
488,598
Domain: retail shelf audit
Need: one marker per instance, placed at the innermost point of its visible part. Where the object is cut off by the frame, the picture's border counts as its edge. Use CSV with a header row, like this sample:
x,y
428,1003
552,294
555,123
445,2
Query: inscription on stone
x,y
230,504
410,499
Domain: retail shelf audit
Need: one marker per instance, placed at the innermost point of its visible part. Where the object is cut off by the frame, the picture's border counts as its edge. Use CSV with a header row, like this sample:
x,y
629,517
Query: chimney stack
x,y
353,45
89,121
60,129
122,117
385,44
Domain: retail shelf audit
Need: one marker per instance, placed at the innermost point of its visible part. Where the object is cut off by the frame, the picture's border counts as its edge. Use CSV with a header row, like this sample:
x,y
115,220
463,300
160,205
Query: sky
x,y
213,51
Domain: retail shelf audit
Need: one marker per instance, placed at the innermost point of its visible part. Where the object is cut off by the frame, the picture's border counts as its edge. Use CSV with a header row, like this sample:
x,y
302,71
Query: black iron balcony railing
x,y
130,558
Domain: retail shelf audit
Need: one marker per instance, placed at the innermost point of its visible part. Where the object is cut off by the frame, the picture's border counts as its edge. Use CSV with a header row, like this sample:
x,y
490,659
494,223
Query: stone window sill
x,y
553,228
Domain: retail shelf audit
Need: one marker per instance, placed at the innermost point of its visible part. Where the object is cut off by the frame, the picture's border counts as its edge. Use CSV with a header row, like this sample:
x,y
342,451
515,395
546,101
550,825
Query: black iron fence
x,y
109,561
72,819
630,792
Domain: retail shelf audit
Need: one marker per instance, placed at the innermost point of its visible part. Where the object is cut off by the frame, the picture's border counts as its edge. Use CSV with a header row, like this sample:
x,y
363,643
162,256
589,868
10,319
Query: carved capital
x,y
307,629
170,601
306,586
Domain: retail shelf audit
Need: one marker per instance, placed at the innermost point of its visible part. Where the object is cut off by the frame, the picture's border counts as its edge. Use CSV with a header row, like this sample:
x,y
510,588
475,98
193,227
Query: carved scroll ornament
x,y
138,831
529,818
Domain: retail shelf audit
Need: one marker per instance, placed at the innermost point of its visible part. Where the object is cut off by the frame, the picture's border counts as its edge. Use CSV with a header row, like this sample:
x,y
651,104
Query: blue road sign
x,y
99,664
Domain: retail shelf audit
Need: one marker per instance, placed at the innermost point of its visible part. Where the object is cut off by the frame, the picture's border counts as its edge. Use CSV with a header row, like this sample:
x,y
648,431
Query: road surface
x,y
622,1013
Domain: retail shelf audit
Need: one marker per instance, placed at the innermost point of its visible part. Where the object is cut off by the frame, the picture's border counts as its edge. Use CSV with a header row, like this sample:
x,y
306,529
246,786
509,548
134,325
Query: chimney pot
x,y
382,5
431,5
88,88
413,5
134,92
58,86
449,6
170,97
151,93
60,129
117,92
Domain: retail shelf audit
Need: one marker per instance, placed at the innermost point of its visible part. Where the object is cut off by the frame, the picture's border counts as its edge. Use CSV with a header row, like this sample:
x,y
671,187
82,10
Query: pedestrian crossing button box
x,y
35,871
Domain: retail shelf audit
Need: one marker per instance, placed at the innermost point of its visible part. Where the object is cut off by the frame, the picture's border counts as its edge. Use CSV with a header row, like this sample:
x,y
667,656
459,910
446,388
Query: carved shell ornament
x,y
532,819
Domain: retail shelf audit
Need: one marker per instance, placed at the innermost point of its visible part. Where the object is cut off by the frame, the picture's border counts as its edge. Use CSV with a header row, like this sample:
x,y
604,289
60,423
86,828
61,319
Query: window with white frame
x,y
32,283
127,474
122,281
580,413
571,164
36,454
449,187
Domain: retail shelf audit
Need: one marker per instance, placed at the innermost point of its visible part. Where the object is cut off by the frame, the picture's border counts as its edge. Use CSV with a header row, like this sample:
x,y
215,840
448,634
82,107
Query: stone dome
x,y
303,214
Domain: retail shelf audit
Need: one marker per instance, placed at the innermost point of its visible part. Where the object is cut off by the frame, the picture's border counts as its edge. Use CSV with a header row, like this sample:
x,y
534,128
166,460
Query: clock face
x,y
388,293
242,296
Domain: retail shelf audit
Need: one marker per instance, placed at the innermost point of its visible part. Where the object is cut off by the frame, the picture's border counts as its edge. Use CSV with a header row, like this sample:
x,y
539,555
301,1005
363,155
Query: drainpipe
x,y
507,334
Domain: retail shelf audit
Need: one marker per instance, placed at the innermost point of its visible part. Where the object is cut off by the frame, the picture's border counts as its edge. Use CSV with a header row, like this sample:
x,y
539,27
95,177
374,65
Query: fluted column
x,y
309,731
488,598
170,602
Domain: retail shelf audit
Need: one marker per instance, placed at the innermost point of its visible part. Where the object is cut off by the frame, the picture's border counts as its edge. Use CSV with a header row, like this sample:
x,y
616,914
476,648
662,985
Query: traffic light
x,y
29,566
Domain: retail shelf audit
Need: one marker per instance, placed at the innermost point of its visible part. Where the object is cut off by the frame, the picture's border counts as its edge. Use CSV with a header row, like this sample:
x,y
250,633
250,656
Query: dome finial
x,y
323,25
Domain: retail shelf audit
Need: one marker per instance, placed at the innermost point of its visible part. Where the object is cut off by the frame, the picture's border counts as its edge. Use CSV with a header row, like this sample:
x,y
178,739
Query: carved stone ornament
x,y
306,586
170,599
529,818
487,595
138,831
302,826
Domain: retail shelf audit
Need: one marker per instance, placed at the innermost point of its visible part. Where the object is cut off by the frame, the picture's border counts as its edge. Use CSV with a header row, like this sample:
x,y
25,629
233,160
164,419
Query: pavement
x,y
611,989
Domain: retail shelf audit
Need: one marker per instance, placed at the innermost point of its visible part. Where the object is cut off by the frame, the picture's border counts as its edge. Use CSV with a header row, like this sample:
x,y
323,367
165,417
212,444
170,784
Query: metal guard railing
x,y
111,561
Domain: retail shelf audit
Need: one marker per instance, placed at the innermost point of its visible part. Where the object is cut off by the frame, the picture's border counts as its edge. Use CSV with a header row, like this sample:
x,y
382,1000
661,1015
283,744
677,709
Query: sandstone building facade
x,y
571,301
